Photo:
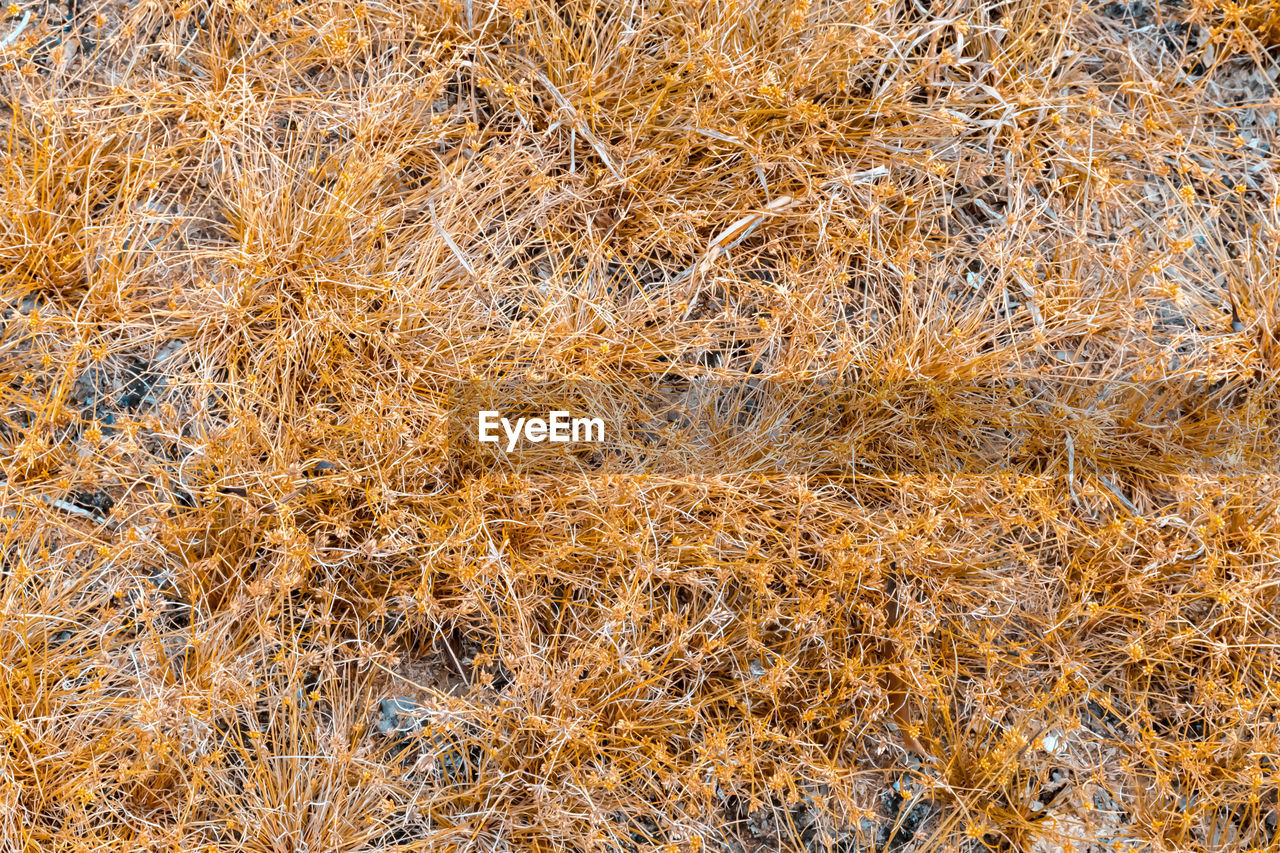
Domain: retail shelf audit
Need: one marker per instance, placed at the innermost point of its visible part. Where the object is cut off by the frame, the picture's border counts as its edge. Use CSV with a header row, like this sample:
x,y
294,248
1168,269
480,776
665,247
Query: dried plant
x,y
993,568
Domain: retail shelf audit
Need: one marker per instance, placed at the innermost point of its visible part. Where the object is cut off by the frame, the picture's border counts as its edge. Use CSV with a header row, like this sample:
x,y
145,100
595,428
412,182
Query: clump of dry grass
x,y
1251,26
1023,565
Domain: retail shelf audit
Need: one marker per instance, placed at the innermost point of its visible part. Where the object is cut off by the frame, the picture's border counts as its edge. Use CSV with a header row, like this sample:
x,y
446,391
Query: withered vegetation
x,y
1019,592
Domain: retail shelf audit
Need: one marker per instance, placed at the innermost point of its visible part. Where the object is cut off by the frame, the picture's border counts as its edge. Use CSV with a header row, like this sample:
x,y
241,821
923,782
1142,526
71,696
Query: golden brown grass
x,y
248,250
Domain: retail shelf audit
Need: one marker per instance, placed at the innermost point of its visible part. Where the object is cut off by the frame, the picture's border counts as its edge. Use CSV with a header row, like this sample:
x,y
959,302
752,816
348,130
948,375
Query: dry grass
x,y
1024,565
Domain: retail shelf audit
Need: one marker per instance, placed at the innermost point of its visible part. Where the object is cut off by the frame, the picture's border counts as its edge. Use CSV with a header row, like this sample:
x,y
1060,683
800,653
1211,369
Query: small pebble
x,y
398,716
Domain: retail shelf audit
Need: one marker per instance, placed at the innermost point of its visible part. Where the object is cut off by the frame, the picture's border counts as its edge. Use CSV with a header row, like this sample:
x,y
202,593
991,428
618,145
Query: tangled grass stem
x,y
939,349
